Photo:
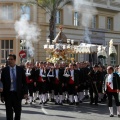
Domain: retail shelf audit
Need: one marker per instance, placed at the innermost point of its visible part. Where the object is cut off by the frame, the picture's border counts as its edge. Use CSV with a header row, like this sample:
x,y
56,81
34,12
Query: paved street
x,y
55,112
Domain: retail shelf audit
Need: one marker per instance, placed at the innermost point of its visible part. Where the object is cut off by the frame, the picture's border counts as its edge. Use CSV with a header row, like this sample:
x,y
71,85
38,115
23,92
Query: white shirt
x,y
41,72
28,70
56,71
110,80
72,74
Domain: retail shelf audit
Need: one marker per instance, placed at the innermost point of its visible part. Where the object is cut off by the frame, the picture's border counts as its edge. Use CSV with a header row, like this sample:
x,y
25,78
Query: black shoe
x,y
60,103
96,104
37,98
111,115
34,101
87,97
63,101
80,101
99,101
56,103
71,103
44,103
118,115
26,103
40,103
76,103
30,103
52,100
91,103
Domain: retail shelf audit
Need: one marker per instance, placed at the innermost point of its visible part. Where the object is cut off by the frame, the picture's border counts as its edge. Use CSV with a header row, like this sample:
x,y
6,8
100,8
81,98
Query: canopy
x,y
86,48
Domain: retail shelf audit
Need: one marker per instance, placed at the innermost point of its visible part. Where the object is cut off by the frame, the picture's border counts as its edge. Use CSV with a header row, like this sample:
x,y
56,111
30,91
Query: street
x,y
66,112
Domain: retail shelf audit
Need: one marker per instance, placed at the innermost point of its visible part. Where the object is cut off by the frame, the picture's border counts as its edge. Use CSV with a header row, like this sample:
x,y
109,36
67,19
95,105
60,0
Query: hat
x,y
95,66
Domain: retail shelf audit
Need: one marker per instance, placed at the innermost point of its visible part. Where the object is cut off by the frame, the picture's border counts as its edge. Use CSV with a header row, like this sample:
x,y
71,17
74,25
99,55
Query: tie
x,y
14,79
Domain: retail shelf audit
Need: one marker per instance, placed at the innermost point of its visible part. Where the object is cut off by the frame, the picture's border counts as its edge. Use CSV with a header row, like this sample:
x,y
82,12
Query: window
x,y
6,48
6,12
113,60
58,17
76,19
94,21
25,12
109,23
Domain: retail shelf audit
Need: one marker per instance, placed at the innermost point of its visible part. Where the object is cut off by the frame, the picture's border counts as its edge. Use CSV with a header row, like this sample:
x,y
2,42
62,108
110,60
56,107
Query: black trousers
x,y
58,89
93,94
13,105
110,96
31,88
42,86
71,89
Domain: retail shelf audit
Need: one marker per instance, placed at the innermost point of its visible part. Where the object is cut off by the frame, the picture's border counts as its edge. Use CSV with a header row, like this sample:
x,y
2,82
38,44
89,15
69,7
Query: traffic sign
x,y
22,54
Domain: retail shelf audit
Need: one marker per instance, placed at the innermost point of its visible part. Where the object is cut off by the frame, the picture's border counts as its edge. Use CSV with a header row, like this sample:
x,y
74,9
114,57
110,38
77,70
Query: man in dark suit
x,y
95,78
14,88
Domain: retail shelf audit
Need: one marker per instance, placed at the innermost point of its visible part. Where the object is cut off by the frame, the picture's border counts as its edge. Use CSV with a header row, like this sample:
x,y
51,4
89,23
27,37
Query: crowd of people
x,y
72,83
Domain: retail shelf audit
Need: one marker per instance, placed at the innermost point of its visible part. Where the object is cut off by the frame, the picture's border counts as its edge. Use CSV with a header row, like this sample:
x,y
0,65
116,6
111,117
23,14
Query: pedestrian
x,y
14,88
112,88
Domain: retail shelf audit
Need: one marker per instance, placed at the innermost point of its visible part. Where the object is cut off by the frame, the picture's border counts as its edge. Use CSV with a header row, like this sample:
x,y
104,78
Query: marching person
x,y
81,83
41,76
51,81
14,87
36,91
30,78
58,84
27,73
100,86
73,84
86,70
112,88
65,88
95,78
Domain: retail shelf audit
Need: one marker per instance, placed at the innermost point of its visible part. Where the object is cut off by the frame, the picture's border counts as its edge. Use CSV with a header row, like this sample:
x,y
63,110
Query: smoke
x,y
29,32
86,11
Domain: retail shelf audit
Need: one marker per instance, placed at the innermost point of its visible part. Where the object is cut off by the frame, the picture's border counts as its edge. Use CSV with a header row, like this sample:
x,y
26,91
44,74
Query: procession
x,y
70,84
59,59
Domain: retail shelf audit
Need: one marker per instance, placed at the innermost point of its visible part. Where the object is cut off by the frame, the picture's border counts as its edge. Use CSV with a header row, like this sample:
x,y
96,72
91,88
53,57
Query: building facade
x,y
104,26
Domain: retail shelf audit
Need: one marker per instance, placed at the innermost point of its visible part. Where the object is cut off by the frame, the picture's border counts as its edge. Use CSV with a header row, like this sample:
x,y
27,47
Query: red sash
x,y
40,79
56,81
28,80
109,88
71,81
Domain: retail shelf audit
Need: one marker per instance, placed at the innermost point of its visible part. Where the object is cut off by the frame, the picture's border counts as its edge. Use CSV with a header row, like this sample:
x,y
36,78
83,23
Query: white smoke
x,y
86,11
29,32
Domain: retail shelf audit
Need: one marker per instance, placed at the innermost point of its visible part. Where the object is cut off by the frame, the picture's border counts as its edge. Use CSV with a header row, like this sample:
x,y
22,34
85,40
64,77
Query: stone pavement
x,y
66,112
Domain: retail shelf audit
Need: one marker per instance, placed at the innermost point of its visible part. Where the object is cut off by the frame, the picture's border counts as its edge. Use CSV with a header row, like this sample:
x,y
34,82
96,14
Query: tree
x,y
51,7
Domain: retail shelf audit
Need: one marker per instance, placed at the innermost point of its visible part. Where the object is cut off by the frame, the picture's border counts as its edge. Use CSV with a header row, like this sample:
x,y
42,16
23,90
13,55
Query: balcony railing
x,y
12,0
100,1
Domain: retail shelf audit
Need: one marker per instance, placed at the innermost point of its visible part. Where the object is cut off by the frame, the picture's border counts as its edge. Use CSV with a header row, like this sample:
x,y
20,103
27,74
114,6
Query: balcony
x,y
107,4
12,0
104,2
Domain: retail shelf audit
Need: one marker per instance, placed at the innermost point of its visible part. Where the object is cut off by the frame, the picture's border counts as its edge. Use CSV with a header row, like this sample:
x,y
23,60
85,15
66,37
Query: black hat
x,y
95,66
